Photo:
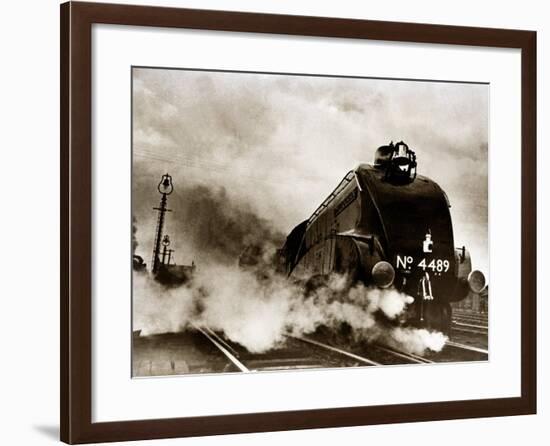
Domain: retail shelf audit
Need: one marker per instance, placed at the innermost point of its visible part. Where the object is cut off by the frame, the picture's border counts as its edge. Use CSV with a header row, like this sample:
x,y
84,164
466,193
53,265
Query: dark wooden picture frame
x,y
76,221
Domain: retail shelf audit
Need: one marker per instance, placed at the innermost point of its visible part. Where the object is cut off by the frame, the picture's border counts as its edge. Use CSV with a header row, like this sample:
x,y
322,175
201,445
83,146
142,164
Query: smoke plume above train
x,y
277,144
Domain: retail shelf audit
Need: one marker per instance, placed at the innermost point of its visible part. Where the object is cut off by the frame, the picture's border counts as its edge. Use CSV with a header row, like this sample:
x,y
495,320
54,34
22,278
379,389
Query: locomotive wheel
x,y
438,316
446,318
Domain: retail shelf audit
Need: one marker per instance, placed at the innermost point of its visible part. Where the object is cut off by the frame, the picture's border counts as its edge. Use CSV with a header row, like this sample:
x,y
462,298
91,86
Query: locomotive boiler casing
x,y
370,219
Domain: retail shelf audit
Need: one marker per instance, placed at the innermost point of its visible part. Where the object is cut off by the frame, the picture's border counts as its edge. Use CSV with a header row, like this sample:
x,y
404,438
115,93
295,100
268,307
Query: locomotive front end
x,y
385,226
411,217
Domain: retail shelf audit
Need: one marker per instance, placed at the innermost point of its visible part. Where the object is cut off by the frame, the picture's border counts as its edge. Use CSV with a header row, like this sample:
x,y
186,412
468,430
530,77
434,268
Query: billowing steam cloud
x,y
218,225
237,291
258,311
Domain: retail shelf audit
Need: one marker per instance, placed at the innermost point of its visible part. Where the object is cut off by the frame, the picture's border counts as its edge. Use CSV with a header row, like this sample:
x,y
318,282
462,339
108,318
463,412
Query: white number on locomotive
x,y
435,265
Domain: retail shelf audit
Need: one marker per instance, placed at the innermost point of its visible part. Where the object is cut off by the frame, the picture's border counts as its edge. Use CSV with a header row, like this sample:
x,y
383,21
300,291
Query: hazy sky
x,y
274,146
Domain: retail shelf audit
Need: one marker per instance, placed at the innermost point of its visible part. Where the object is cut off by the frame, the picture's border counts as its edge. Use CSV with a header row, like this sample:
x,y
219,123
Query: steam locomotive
x,y
386,226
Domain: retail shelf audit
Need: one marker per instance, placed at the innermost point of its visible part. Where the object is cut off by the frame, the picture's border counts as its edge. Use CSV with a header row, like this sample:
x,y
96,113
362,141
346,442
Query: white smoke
x,y
413,340
258,312
157,309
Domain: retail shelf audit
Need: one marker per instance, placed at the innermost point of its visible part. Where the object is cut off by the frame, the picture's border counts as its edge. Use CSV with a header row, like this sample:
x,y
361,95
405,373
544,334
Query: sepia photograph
x,y
300,221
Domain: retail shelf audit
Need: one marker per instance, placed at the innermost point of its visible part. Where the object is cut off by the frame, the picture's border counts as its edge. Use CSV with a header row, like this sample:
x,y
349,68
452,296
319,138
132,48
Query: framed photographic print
x,y
281,222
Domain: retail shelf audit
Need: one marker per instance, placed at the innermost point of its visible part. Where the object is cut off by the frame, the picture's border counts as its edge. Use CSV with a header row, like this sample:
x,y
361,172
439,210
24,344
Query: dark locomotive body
x,y
385,226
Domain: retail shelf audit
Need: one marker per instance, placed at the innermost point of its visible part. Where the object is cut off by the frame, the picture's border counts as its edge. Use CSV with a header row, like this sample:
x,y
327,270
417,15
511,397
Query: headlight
x,y
476,281
383,274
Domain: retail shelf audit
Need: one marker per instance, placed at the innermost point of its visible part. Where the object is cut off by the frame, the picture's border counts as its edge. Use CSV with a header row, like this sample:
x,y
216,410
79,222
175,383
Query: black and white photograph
x,y
302,221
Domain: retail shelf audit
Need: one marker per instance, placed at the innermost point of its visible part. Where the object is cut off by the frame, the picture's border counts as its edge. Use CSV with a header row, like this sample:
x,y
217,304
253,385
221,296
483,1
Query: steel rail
x,y
410,356
466,330
226,352
461,324
469,319
337,350
467,347
222,341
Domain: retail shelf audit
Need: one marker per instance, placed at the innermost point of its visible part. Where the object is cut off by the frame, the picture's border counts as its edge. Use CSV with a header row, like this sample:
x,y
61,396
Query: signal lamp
x,y
165,186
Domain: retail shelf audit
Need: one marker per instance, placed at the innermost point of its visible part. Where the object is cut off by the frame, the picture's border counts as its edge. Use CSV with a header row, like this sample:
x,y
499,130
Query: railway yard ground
x,y
202,350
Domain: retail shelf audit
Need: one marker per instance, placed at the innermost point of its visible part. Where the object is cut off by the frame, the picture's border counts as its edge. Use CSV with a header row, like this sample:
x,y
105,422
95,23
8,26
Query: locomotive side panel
x,y
341,214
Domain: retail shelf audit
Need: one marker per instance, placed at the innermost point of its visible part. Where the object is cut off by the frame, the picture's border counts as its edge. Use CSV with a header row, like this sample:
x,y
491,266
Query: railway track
x,y
312,354
415,359
295,354
204,350
374,350
291,355
475,329
223,347
472,323
466,347
468,329
338,350
480,322
470,318
475,326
